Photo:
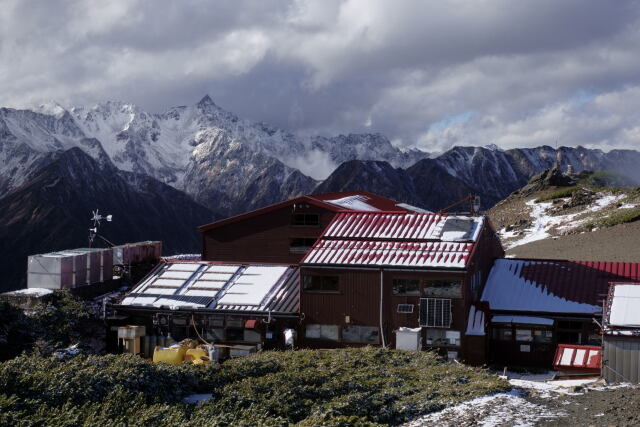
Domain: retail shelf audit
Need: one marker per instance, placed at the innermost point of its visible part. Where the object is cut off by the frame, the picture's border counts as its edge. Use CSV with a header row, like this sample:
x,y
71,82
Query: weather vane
x,y
93,232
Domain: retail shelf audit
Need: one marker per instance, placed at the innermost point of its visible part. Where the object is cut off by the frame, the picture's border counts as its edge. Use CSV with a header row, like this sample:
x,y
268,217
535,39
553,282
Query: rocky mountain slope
x,y
51,211
489,172
188,147
589,216
230,164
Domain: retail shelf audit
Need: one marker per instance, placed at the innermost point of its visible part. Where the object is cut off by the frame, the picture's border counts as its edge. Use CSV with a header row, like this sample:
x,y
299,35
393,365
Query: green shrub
x,y
560,194
617,217
336,387
56,322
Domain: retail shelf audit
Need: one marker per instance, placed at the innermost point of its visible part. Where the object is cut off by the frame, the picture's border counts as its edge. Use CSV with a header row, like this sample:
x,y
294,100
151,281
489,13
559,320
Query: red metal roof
x,y
396,239
578,358
329,201
402,226
575,286
389,253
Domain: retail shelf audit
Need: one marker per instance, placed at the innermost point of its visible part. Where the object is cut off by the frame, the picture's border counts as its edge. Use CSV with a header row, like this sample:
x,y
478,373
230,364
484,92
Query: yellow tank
x,y
170,355
197,356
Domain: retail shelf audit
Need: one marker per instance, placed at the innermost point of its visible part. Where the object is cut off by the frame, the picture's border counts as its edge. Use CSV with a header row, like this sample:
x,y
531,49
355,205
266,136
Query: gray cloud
x,y
430,74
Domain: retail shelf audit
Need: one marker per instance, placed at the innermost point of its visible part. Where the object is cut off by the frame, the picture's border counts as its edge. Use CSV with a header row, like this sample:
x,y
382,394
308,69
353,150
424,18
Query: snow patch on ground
x,y
542,221
497,409
197,398
35,292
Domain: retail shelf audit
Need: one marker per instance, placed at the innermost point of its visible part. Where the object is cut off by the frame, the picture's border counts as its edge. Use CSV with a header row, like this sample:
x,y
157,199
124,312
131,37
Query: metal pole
x,y
384,344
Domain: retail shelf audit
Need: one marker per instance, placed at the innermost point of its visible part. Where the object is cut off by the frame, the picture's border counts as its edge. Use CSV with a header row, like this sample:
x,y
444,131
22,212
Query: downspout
x,y
384,344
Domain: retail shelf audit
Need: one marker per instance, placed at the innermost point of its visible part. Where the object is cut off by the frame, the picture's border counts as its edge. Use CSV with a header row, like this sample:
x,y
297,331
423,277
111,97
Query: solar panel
x,y
253,285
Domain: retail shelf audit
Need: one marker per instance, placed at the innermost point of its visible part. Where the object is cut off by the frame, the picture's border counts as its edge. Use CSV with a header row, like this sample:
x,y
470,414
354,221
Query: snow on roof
x,y
404,226
412,208
355,203
625,306
389,253
529,320
218,287
475,322
396,239
542,286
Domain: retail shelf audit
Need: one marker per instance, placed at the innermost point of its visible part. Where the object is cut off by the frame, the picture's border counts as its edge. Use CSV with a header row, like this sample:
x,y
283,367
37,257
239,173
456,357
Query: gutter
x,y
138,309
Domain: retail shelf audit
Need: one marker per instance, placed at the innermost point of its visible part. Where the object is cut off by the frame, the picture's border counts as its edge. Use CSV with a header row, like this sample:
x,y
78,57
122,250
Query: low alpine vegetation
x,y
336,387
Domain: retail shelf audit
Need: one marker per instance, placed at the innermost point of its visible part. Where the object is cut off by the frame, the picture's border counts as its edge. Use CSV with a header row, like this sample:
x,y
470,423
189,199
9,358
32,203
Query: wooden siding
x,y
262,238
359,299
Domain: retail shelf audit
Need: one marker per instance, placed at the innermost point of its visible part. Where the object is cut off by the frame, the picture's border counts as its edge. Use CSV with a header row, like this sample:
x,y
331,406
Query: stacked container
x,y
136,253
69,268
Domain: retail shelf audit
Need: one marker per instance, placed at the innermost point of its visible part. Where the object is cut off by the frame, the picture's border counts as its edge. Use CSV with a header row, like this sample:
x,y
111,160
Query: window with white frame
x,y
435,312
405,308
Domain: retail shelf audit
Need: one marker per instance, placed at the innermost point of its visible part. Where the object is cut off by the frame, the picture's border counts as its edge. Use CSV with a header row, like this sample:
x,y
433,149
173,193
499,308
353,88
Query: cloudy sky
x,y
429,74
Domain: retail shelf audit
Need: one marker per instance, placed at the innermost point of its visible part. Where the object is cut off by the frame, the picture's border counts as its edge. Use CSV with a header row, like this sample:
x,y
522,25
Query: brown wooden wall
x,y
359,298
262,238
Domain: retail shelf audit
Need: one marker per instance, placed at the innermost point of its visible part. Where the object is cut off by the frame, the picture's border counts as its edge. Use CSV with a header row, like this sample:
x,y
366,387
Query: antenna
x,y
95,219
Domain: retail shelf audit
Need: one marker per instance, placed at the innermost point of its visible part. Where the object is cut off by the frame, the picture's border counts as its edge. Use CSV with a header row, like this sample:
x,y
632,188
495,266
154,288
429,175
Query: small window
x,y
405,308
435,312
361,334
502,334
443,288
321,283
542,336
322,332
406,287
305,219
301,244
524,335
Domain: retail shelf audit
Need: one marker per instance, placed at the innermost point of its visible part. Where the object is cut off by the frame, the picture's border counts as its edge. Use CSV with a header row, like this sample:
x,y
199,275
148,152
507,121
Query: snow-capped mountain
x,y
211,154
231,165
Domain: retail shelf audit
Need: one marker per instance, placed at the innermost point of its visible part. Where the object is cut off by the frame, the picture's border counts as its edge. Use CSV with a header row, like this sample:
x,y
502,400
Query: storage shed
x,y
621,334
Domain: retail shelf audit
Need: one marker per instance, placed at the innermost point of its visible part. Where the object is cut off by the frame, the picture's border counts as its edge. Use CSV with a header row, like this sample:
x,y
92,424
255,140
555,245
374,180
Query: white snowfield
x,y
543,222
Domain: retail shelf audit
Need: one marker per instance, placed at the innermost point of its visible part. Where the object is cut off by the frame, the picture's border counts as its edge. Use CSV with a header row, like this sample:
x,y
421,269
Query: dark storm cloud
x,y
425,73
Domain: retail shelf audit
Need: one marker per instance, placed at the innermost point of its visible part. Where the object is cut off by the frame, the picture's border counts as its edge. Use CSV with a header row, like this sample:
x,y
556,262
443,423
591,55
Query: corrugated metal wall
x,y
621,359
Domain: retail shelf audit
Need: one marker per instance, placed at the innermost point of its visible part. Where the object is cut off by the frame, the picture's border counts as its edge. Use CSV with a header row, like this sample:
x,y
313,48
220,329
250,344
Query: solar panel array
x,y
216,286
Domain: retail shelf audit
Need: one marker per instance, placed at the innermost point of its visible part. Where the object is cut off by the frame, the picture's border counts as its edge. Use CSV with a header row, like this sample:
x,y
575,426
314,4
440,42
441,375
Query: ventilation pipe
x,y
384,344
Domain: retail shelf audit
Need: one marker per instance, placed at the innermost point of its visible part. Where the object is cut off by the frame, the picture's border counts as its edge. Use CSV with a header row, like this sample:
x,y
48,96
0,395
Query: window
x,y
406,287
502,334
322,332
362,334
301,244
542,335
443,288
305,219
321,283
524,335
435,312
405,308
